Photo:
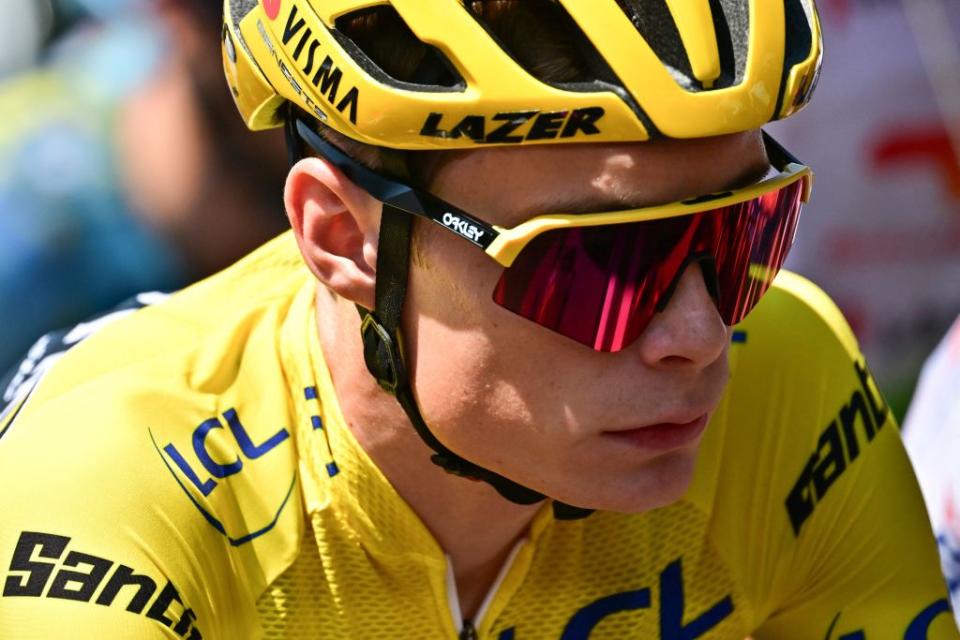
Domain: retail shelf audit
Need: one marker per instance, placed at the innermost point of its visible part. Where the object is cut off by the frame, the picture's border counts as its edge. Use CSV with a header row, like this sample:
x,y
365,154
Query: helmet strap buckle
x,y
382,353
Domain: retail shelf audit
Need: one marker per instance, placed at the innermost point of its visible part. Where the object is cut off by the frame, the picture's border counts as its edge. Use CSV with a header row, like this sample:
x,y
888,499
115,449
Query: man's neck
x,y
473,524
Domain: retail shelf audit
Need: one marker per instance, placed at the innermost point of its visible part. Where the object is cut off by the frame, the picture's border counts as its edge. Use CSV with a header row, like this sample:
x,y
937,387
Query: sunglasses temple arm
x,y
779,156
456,220
295,149
401,196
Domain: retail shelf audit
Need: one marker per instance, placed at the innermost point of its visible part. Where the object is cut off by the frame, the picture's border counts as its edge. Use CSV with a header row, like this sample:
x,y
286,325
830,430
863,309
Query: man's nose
x,y
689,332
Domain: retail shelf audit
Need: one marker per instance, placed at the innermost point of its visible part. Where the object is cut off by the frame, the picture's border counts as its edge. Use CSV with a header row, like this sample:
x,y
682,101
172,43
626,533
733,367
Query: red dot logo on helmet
x,y
272,8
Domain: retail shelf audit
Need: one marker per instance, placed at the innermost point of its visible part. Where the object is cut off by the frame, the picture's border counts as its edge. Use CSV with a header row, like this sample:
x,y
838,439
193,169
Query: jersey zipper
x,y
468,632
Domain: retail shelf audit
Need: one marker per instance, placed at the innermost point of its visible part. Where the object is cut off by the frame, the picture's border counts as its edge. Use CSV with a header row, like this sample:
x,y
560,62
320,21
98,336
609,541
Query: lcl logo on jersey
x,y
271,8
248,450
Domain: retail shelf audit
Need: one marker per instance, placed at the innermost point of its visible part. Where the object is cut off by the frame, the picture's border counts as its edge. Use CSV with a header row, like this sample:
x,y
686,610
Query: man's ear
x,y
337,225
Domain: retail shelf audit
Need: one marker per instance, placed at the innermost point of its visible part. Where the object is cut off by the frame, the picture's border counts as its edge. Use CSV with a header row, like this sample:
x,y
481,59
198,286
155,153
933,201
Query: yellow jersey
x,y
184,471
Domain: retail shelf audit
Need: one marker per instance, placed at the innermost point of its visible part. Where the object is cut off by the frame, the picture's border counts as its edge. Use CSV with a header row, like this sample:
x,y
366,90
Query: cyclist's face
x,y
541,408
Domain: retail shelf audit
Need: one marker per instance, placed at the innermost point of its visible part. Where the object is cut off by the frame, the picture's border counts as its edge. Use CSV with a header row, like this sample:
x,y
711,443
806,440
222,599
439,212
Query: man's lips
x,y
664,436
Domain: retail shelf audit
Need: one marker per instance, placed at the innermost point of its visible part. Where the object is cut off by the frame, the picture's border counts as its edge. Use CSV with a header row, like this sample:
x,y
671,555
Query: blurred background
x,y
123,167
882,233
123,164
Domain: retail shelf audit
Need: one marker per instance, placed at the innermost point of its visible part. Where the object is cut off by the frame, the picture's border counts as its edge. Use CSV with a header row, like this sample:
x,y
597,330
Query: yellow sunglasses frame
x,y
511,241
504,244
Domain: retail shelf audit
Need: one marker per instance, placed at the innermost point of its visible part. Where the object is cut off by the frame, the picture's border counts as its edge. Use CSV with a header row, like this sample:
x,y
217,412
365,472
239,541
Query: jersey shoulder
x,y
798,380
813,503
158,439
794,318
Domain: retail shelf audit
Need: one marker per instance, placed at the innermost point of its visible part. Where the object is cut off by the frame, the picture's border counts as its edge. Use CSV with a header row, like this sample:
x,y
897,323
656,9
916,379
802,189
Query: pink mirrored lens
x,y
752,247
601,285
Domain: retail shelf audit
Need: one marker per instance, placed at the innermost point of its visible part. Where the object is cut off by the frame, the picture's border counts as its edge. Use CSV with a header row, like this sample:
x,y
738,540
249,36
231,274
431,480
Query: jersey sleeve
x,y
836,543
865,558
96,539
93,544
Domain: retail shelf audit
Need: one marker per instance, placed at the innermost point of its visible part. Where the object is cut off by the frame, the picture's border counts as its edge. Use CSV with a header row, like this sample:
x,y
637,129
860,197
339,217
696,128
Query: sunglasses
x,y
599,278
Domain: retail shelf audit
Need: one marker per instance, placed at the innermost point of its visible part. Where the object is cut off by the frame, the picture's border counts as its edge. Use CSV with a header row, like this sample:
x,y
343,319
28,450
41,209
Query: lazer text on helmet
x,y
513,127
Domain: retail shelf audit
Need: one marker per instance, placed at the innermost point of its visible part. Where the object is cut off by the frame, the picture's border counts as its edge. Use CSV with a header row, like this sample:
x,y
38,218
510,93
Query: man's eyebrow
x,y
598,203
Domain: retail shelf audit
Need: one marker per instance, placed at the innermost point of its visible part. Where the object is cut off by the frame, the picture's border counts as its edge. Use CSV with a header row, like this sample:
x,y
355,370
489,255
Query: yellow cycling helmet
x,y
668,68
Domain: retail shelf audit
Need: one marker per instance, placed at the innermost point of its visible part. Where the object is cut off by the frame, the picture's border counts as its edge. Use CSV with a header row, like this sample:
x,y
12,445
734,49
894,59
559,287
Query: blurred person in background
x,y
932,436
883,234
118,156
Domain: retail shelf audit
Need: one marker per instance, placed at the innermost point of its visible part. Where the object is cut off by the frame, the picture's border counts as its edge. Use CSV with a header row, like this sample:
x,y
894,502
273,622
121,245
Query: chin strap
x,y
384,357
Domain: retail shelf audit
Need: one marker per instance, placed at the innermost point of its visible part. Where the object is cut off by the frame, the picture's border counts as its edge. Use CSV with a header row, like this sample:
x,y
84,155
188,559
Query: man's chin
x,y
659,483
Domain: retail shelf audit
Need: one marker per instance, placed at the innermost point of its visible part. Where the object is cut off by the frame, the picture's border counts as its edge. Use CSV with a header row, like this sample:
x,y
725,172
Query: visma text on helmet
x,y
326,76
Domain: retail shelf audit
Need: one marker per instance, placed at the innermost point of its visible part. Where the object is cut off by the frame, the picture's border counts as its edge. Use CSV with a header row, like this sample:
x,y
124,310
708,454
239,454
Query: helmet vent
x,y
413,65
544,40
731,20
653,20
799,36
799,42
